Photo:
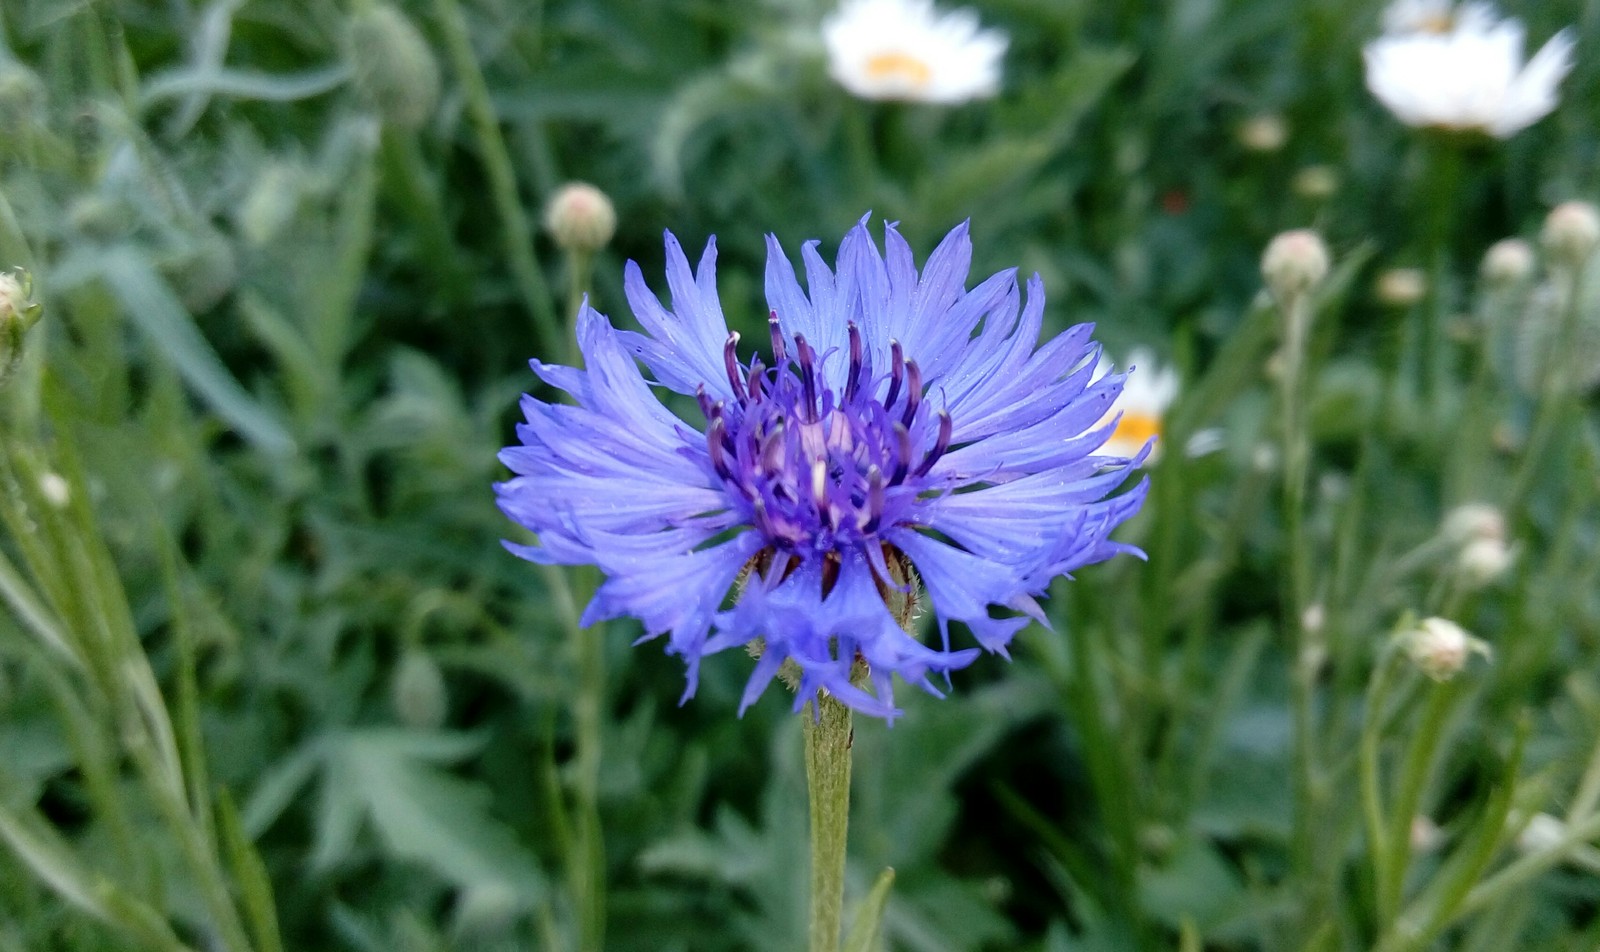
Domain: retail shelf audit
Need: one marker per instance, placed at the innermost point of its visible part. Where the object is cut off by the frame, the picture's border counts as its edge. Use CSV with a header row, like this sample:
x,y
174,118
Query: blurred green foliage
x,y
268,681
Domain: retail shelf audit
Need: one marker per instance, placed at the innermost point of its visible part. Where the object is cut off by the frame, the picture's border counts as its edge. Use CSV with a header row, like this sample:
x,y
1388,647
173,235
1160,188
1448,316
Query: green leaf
x,y
156,310
244,84
869,916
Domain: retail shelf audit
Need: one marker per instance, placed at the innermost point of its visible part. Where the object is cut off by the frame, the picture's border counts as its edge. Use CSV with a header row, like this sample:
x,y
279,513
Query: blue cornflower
x,y
909,438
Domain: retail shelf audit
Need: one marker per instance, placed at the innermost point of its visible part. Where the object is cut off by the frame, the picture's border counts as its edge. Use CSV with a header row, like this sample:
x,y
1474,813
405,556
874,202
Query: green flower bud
x,y
394,67
18,313
418,692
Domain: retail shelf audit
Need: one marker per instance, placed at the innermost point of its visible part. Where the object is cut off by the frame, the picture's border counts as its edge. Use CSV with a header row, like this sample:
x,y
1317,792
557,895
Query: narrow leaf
x,y
869,915
153,306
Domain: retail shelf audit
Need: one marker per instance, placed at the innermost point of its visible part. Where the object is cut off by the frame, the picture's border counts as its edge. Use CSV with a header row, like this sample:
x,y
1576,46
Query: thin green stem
x,y
1413,777
1558,396
588,711
1525,869
1296,461
828,739
1371,782
580,266
516,234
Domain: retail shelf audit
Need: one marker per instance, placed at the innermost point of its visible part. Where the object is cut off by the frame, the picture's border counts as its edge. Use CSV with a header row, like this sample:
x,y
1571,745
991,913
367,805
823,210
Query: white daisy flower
x,y
1433,16
1461,68
1146,395
902,49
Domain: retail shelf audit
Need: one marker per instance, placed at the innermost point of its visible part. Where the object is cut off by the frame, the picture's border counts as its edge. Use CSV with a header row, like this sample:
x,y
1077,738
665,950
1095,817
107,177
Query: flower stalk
x,y
828,737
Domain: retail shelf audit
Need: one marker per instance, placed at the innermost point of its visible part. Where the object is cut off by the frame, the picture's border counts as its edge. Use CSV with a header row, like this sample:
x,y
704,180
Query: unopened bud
x,y
1402,287
418,692
1440,647
1571,232
486,909
1508,262
272,203
1315,182
1294,263
1425,835
22,96
1266,132
580,217
1483,560
1543,832
18,313
1471,521
1313,618
55,490
394,68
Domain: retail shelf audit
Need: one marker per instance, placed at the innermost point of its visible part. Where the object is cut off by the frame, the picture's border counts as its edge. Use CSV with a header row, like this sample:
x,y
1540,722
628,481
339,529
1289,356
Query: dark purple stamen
x,y
897,369
853,381
808,375
939,445
708,408
755,379
730,360
902,463
779,352
716,438
913,392
874,500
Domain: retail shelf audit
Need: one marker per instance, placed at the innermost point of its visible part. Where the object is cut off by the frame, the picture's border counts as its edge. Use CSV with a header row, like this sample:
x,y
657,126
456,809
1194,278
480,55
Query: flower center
x,y
897,65
1436,23
821,470
1137,427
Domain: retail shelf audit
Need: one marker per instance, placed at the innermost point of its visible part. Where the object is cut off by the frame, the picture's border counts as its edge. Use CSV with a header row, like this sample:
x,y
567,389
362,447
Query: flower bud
x,y
1266,132
18,313
1571,232
1440,647
1402,287
1474,520
1425,835
487,909
1315,182
272,203
22,97
394,68
418,691
1483,560
55,490
580,217
1294,263
1508,262
1543,832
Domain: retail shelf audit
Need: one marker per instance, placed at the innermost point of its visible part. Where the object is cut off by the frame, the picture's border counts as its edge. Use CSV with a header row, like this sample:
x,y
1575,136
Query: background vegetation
x,y
268,681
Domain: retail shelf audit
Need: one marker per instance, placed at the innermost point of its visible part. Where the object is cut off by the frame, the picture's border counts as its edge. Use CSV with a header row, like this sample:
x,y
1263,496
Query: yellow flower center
x,y
1137,428
897,65
1438,23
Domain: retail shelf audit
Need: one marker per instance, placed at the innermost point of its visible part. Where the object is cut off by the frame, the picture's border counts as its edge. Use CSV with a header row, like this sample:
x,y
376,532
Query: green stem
x,y
1414,776
1558,397
827,737
580,265
515,231
1371,796
588,715
1296,462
